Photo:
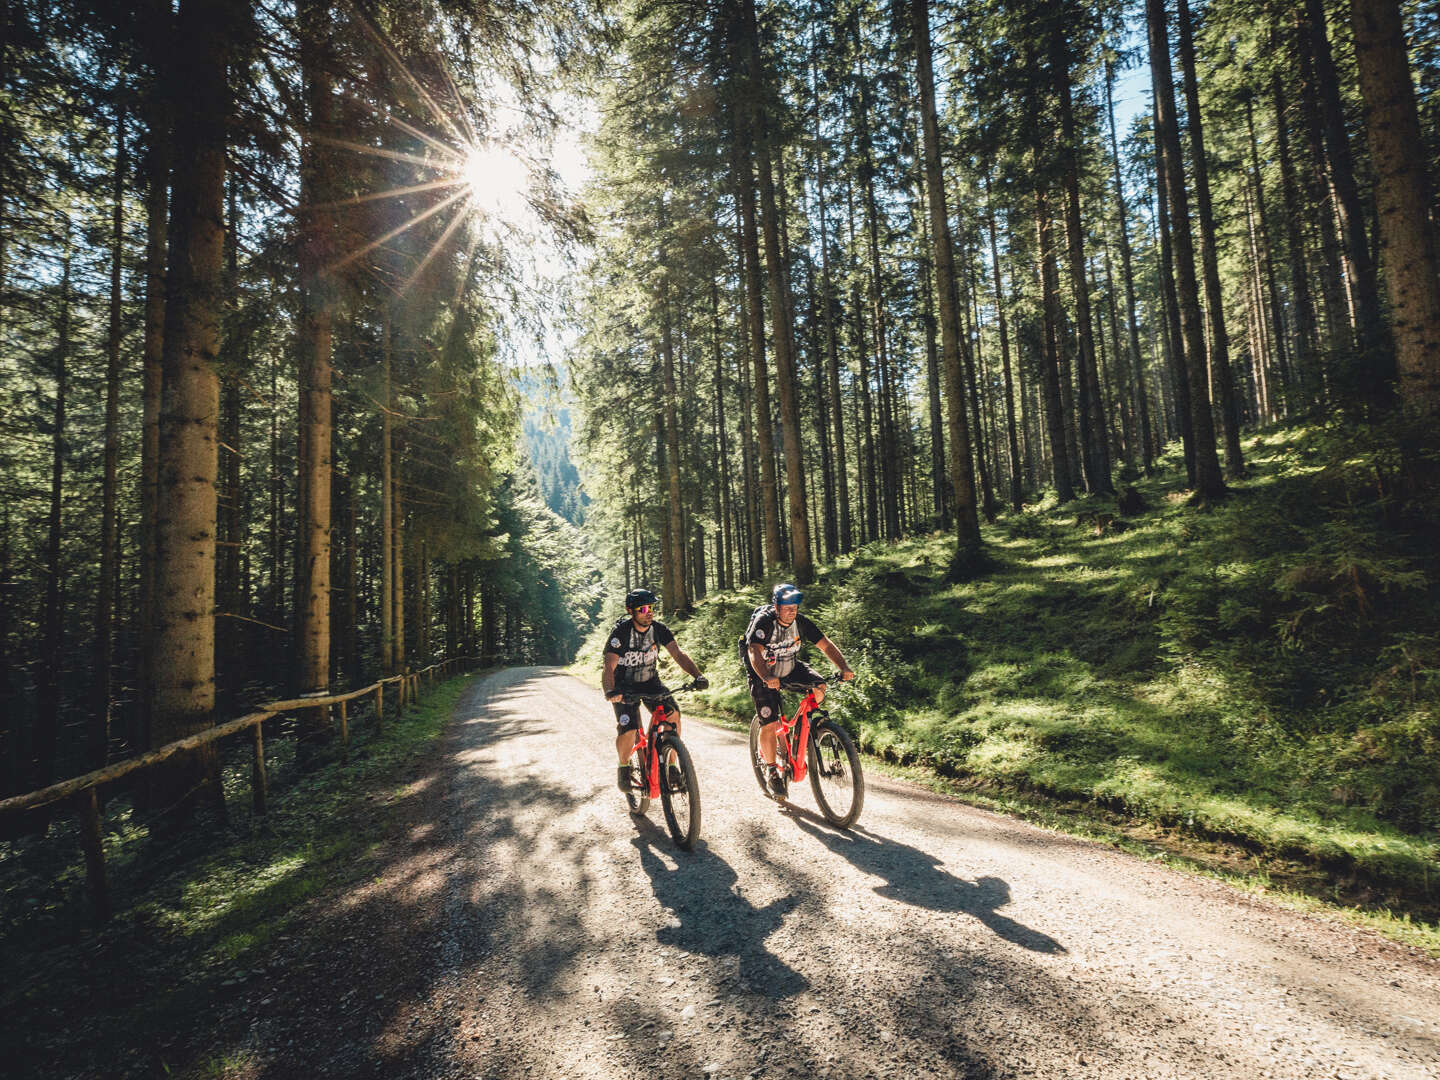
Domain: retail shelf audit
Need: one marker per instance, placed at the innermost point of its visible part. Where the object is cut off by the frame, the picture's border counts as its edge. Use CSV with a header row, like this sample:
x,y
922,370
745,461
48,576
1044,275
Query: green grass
x,y
1261,673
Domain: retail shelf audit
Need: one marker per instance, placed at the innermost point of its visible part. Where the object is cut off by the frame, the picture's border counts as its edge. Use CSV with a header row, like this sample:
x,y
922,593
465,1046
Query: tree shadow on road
x,y
914,877
714,919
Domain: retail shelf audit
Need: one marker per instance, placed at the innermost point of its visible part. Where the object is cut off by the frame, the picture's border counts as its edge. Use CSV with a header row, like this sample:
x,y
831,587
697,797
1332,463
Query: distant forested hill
x,y
547,442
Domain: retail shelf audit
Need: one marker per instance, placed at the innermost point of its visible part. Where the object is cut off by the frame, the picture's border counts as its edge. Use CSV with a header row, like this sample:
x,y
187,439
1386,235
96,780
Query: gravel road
x,y
525,925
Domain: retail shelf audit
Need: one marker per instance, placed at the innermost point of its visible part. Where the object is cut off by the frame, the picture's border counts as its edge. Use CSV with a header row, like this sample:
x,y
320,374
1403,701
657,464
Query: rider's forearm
x,y
836,656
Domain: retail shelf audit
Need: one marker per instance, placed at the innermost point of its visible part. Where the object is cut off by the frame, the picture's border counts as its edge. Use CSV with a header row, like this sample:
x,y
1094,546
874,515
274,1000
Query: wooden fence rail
x,y
83,789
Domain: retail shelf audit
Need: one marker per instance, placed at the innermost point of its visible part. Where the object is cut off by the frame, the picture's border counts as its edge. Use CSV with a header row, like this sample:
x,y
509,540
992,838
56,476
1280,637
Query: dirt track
x,y
524,925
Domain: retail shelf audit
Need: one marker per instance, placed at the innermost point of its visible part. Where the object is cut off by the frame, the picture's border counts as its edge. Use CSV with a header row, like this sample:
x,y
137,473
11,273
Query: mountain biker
x,y
631,654
776,634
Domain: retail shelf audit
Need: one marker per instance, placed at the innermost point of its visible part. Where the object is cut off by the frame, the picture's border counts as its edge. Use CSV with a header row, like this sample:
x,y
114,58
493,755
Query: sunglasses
x,y
643,609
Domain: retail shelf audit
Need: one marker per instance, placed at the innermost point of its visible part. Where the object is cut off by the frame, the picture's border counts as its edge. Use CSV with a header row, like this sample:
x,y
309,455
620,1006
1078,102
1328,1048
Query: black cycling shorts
x,y
802,677
653,693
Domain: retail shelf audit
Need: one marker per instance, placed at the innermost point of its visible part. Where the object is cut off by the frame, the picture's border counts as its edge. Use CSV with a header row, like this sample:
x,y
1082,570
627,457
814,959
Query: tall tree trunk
x,y
1016,483
184,684
1323,197
1050,374
974,363
765,435
1221,376
724,570
1137,366
1209,481
886,481
1277,311
387,501
1375,367
1174,339
230,667
967,520
1406,231
320,292
98,734
1304,342
676,598
939,484
751,531
1092,417
397,558
778,276
157,242
842,540
48,677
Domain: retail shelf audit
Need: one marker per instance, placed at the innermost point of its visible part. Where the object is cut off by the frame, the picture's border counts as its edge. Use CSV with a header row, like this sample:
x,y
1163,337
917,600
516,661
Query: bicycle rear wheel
x,y
638,797
679,792
836,777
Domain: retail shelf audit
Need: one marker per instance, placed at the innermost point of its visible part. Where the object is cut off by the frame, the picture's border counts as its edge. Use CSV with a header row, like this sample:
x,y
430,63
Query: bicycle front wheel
x,y
638,797
679,792
836,777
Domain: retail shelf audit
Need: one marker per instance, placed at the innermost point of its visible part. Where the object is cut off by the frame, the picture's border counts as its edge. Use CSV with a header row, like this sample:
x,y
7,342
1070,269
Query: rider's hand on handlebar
x,y
846,675
615,696
773,683
700,683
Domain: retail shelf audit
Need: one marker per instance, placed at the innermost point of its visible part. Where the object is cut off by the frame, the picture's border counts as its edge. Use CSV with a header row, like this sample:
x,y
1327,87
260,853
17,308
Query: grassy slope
x,y
1262,673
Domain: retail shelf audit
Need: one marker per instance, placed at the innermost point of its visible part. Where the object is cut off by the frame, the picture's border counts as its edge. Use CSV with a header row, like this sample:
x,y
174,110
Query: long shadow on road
x,y
714,919
916,877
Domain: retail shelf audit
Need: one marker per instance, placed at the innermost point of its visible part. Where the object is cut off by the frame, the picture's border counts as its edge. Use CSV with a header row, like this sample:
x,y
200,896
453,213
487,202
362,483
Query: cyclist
x,y
631,654
776,634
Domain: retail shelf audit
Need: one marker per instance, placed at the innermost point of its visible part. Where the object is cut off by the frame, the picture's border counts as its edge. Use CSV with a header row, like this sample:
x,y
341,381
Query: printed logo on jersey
x,y
614,642
760,634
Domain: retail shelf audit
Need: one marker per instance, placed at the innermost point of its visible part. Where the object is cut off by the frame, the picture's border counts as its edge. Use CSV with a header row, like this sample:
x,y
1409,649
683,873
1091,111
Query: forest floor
x,y
508,918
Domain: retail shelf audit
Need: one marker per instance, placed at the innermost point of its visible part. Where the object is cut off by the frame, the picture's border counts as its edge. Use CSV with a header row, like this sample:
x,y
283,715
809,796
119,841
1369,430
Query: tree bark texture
x,y
184,674
1412,269
1209,482
967,519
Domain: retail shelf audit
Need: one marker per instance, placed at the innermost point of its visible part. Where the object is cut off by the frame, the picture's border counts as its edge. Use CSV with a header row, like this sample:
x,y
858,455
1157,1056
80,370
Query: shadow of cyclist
x,y
714,919
914,877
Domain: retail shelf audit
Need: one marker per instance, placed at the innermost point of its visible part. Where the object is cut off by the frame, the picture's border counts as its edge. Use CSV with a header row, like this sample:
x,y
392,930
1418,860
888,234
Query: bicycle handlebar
x,y
636,699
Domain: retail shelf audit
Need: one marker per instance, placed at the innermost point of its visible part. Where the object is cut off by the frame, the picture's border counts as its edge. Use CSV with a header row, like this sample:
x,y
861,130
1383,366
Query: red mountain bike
x,y
660,768
811,742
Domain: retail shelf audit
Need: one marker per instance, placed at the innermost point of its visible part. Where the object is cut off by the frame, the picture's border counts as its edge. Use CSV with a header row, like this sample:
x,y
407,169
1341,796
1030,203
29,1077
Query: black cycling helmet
x,y
636,597
785,593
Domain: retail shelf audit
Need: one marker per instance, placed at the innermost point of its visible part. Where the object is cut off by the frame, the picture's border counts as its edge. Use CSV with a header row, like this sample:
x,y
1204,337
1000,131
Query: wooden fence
x,y
83,789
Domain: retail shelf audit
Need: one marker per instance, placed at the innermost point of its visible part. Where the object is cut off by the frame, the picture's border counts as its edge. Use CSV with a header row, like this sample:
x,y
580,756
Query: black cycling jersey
x,y
638,652
780,643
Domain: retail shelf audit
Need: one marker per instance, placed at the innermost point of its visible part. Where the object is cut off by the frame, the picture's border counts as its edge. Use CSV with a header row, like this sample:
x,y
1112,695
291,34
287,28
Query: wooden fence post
x,y
257,770
89,807
379,707
344,733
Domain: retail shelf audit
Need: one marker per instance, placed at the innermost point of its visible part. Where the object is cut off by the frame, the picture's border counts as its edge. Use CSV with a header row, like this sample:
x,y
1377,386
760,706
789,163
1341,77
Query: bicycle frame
x,y
783,727
647,743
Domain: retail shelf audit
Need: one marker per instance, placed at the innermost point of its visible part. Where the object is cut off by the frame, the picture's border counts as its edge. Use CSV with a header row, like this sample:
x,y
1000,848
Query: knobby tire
x,y
679,792
835,774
